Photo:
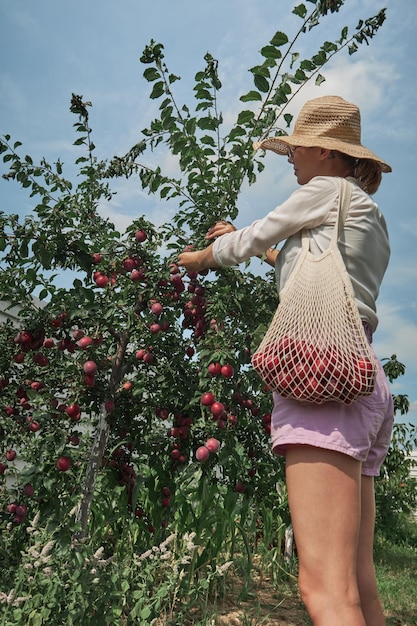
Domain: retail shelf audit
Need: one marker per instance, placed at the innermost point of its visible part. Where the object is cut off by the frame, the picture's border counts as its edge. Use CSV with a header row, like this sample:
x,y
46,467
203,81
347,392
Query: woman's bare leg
x,y
371,606
324,492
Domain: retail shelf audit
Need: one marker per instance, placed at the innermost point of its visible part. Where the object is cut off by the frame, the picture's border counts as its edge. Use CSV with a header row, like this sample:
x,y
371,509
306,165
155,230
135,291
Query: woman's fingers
x,y
219,228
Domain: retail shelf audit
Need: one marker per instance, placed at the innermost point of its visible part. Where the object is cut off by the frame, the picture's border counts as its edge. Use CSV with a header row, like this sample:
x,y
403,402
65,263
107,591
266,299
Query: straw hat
x,y
326,122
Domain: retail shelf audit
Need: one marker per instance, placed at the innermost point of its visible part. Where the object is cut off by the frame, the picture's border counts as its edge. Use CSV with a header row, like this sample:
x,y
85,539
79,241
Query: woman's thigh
x,y
324,492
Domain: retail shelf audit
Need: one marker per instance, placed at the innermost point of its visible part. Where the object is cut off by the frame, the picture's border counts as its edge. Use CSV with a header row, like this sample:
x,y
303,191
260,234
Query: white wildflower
x,y
28,566
33,524
48,571
37,564
167,541
188,541
97,554
19,601
165,556
33,552
47,548
95,581
93,571
145,555
180,575
222,569
11,596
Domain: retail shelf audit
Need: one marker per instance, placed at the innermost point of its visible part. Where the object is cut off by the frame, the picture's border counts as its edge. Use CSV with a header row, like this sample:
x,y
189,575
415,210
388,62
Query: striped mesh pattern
x,y
315,349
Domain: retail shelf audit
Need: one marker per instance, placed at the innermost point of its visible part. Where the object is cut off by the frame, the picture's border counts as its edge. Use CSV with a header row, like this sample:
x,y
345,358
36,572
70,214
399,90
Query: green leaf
x,y
300,10
251,96
294,57
34,619
288,118
145,612
320,79
261,70
245,116
201,94
261,83
164,192
343,34
207,123
24,250
300,75
237,131
190,125
158,90
329,46
271,52
151,74
43,294
208,140
279,39
307,65
319,58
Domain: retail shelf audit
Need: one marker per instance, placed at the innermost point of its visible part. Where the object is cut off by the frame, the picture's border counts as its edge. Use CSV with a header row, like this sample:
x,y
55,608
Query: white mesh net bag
x,y
315,348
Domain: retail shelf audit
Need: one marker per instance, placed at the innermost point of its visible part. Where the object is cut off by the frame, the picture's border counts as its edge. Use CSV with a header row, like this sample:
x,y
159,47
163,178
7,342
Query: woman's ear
x,y
325,154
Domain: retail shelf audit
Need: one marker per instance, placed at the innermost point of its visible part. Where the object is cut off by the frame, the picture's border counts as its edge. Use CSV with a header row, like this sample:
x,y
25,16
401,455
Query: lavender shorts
x,y
361,430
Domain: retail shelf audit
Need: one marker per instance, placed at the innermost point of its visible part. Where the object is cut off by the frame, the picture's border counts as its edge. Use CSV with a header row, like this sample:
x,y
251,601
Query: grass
x,y
396,568
275,602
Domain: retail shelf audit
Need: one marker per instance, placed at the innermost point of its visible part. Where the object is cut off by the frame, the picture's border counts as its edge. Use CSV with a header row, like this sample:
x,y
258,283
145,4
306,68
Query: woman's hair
x,y
366,171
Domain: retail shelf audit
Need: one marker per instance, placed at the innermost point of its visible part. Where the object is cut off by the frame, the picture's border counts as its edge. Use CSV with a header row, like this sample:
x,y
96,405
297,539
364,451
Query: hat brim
x,y
280,145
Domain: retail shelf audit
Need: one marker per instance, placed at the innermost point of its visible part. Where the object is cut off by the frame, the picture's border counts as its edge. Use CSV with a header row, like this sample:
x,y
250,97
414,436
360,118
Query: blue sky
x,y
50,49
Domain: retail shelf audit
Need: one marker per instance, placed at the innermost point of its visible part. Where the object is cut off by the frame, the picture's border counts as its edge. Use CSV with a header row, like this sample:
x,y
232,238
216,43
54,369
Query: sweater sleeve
x,y
307,207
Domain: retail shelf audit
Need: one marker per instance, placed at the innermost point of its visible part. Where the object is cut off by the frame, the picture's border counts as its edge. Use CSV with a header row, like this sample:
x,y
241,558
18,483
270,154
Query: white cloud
x,y
409,226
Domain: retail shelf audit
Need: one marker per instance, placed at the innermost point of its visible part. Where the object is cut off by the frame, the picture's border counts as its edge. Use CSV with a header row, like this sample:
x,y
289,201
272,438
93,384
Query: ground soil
x,y
272,604
263,603
267,608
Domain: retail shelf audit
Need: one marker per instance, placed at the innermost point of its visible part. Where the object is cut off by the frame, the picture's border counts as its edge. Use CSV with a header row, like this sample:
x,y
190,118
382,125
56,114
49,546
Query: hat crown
x,y
329,117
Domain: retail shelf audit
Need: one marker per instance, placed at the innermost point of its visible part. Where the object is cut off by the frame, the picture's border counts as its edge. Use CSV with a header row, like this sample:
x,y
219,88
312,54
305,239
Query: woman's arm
x,y
223,227
270,256
198,260
203,259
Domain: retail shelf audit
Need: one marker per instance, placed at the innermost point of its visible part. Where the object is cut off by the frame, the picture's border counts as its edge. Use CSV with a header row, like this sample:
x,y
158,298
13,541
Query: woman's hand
x,y
220,228
197,260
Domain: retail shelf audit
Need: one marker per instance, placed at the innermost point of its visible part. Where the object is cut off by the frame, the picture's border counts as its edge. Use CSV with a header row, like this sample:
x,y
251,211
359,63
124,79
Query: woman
x,y
333,451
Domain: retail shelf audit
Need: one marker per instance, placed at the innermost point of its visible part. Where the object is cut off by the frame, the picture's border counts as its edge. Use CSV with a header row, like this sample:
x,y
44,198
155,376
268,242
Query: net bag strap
x,y
345,194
